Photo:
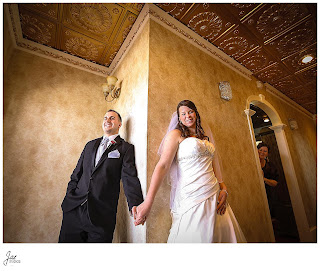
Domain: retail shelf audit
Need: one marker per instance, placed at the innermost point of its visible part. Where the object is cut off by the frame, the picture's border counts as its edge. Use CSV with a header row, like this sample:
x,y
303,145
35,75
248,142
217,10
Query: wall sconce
x,y
225,90
111,89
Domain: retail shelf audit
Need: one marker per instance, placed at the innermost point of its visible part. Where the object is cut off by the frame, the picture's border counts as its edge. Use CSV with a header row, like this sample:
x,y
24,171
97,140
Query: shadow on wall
x,y
122,227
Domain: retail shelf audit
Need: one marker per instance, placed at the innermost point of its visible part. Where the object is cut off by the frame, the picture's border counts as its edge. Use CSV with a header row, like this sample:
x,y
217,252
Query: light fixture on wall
x,y
111,89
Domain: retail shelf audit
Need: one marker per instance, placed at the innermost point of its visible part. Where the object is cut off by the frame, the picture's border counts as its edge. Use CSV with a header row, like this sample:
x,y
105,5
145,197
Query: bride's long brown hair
x,y
185,132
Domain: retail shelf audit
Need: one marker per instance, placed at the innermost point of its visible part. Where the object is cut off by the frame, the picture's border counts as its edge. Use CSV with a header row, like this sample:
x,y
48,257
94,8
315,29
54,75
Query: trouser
x,y
77,228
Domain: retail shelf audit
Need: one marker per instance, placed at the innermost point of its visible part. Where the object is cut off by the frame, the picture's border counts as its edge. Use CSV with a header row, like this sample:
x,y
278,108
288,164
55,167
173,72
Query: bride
x,y
199,208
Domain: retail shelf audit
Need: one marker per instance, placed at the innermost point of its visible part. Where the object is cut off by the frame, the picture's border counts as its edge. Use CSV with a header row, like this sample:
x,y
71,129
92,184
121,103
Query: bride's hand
x,y
142,212
222,201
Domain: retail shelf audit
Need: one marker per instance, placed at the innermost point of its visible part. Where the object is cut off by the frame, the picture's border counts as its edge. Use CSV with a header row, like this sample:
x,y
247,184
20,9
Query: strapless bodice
x,y
196,176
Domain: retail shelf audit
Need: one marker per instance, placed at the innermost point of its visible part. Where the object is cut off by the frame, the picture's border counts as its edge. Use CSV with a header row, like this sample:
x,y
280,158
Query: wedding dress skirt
x,y
194,215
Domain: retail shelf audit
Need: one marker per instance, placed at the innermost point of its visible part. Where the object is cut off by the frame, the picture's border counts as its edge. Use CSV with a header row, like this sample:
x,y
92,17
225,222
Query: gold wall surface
x,y
133,107
178,71
50,111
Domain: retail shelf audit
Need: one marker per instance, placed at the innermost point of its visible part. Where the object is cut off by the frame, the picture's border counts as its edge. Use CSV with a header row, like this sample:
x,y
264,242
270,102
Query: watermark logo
x,y
10,259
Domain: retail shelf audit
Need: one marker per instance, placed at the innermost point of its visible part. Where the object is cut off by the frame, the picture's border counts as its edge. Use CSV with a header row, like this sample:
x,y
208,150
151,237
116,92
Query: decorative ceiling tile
x,y
286,83
81,45
306,99
37,28
273,73
241,10
137,7
98,21
209,20
294,92
295,40
237,42
309,75
277,18
51,10
176,10
257,60
312,107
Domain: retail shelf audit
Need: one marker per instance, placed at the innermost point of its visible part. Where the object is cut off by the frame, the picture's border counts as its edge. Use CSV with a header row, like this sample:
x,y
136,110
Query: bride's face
x,y
187,116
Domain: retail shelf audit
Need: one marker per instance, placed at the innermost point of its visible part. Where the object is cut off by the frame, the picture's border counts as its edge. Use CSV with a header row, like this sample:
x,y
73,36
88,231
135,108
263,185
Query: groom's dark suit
x,y
97,187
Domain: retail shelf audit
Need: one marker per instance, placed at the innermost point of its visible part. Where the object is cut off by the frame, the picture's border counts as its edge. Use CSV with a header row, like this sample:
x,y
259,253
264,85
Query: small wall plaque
x,y
293,124
225,90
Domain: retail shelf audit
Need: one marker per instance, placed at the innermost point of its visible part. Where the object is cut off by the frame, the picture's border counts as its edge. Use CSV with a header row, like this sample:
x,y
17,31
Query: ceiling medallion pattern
x,y
276,19
92,17
255,62
309,74
206,24
296,40
241,6
36,30
82,47
270,75
234,46
288,83
51,12
175,9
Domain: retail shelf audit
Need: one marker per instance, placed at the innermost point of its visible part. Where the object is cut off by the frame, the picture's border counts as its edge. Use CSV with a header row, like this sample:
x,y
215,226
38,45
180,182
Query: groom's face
x,y
111,123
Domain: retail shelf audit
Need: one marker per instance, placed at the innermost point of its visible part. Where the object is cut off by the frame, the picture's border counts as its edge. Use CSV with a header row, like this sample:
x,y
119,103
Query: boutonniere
x,y
112,142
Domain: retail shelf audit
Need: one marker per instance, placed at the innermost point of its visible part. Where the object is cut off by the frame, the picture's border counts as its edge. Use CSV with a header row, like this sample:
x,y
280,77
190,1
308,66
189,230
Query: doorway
x,y
281,211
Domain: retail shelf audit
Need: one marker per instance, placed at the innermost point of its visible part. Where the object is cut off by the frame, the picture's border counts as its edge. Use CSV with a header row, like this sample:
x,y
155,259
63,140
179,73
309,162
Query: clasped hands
x,y
140,213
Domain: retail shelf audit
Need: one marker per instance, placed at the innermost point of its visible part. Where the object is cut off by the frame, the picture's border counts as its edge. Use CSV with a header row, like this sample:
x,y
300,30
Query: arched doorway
x,y
286,159
280,206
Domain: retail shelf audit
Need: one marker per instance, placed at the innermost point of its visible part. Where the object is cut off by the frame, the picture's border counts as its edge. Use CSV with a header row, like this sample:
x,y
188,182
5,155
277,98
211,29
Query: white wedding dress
x,y
194,215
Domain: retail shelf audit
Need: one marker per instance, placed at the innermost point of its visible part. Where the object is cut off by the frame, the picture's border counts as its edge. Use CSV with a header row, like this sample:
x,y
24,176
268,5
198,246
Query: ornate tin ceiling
x,y
94,32
268,39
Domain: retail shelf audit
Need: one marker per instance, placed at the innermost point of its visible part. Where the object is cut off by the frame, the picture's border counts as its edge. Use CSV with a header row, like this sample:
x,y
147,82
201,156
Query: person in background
x,y
271,176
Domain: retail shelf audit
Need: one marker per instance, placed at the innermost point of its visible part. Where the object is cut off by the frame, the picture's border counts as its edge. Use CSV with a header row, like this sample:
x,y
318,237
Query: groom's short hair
x,y
111,110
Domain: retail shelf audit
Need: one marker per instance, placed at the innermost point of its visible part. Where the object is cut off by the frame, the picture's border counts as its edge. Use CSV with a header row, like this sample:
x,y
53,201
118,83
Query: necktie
x,y
101,149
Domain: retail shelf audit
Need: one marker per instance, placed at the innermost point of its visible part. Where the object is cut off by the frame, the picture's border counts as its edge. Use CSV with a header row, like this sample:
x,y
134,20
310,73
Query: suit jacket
x,y
100,185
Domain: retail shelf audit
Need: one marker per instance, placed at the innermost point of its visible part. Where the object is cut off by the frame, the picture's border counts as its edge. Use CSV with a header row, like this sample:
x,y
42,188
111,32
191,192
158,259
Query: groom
x,y
90,204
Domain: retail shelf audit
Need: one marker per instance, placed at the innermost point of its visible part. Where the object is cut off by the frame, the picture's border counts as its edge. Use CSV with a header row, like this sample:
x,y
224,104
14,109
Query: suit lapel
x,y
112,147
94,152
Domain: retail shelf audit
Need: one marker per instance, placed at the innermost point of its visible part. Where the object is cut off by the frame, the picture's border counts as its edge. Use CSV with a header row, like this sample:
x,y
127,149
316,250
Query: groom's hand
x,y
140,217
134,212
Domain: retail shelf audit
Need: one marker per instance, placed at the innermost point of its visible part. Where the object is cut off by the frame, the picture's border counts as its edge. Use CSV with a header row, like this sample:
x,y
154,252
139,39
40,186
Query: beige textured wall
x,y
133,106
50,111
178,71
